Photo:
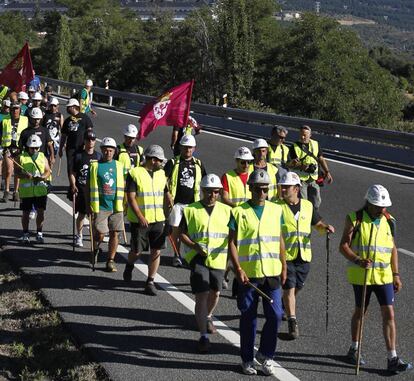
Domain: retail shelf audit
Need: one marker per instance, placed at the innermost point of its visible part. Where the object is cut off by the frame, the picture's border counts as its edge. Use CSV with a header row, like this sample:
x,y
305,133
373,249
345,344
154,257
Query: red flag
x,y
19,71
170,109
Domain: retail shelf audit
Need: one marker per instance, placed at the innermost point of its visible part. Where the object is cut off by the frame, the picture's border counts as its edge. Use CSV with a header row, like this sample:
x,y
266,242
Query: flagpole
x,y
189,102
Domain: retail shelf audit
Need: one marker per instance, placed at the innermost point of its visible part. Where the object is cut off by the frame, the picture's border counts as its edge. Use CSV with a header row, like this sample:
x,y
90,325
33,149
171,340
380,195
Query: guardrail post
x,y
110,101
58,90
91,94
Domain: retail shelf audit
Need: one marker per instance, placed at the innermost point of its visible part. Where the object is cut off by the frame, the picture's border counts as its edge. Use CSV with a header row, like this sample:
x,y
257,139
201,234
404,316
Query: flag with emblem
x,y
170,109
19,71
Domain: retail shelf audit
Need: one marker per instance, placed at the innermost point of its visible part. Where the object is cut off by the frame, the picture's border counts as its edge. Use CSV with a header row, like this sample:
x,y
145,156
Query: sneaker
x,y
210,327
15,196
266,364
25,238
352,356
150,289
39,238
110,266
32,214
128,272
293,329
248,368
396,365
225,284
6,196
203,345
78,241
177,261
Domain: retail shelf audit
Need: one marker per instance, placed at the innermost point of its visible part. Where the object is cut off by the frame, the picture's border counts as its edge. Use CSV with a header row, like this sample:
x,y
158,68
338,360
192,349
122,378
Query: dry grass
x,y
33,342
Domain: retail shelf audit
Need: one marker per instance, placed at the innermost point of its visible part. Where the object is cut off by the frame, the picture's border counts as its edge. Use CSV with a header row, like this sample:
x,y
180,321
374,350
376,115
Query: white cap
x,y
37,97
211,181
31,88
54,101
108,142
33,142
131,130
378,195
290,178
156,151
260,143
188,141
259,176
36,113
72,102
23,95
243,153
7,103
88,82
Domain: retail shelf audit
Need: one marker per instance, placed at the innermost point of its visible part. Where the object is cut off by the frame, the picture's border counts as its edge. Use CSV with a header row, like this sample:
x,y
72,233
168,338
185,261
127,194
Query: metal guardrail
x,y
387,145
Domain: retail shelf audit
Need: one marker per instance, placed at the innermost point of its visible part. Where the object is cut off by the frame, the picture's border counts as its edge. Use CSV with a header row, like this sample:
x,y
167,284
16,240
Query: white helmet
x,y
37,97
88,82
378,195
7,103
72,102
36,113
243,153
54,101
33,142
108,142
131,131
259,176
260,143
290,178
23,95
156,151
188,141
31,89
211,181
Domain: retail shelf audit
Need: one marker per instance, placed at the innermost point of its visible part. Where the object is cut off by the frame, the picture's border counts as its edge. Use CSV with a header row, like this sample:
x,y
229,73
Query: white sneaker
x,y
78,241
248,368
32,214
266,364
25,238
177,261
39,238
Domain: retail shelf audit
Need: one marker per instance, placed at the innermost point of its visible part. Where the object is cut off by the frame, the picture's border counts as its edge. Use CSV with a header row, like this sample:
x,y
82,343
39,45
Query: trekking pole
x,y
59,166
258,290
361,322
73,221
173,244
328,238
124,234
93,261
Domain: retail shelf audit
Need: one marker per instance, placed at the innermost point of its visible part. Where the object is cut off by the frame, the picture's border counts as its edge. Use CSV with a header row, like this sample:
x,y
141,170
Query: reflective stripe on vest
x,y
272,171
3,92
238,192
94,188
258,243
307,160
173,180
7,136
297,233
278,155
149,195
28,187
209,231
373,242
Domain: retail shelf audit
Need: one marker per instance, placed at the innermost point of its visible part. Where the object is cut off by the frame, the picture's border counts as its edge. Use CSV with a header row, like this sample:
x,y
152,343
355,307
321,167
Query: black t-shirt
x,y
81,166
305,148
51,121
74,127
186,179
133,153
41,132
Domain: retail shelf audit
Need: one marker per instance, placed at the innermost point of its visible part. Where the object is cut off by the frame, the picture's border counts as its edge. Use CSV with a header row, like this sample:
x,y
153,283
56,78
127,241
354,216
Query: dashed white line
x,y
406,252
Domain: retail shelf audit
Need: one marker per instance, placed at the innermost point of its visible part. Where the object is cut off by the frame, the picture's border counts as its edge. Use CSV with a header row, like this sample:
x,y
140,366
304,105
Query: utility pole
x,y
317,7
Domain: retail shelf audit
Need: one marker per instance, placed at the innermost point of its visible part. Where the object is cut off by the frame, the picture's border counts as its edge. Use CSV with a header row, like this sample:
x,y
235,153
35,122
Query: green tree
x,y
62,64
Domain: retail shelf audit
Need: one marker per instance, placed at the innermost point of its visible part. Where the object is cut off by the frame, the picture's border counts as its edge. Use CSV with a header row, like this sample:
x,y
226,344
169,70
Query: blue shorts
x,y
383,292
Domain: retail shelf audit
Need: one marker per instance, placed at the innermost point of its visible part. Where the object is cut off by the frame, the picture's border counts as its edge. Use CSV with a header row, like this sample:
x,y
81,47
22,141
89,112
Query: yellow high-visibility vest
x,y
279,155
149,194
258,241
307,159
173,180
7,135
373,242
94,188
29,187
126,160
210,232
238,192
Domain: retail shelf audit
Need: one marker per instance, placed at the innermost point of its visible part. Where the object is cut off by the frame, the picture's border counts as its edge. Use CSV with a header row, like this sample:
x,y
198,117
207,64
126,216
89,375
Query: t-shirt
x,y
74,127
186,179
292,152
51,121
107,185
41,132
2,116
243,177
81,168
133,152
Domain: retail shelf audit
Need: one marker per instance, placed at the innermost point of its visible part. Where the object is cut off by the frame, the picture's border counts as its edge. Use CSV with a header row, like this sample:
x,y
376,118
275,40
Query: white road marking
x,y
406,252
234,338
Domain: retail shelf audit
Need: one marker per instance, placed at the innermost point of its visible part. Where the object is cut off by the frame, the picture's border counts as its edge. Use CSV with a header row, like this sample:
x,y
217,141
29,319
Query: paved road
x,y
140,337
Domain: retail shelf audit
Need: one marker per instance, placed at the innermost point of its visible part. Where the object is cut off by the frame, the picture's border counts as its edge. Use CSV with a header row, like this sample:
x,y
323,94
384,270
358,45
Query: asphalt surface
x,y
138,337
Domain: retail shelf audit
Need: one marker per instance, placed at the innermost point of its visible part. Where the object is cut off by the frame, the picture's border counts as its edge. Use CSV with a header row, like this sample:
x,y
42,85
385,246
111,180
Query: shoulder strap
x,y
359,213
308,152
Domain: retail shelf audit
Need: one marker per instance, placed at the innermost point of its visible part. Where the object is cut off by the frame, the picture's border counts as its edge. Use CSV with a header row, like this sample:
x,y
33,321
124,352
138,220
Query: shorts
x,y
143,239
176,215
296,274
383,292
80,203
106,221
203,278
27,203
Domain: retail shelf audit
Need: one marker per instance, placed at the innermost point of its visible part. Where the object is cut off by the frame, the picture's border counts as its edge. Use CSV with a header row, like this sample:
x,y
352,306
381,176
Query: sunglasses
x,y
260,190
281,137
244,162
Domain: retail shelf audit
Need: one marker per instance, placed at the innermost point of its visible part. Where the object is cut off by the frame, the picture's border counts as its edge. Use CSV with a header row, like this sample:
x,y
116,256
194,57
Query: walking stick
x,y
328,238
124,234
93,261
258,290
60,164
73,221
173,244
361,322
